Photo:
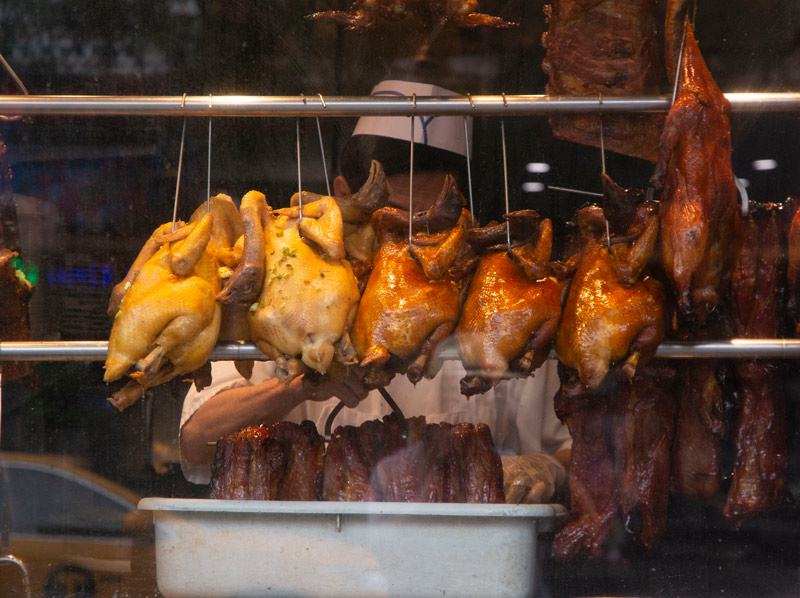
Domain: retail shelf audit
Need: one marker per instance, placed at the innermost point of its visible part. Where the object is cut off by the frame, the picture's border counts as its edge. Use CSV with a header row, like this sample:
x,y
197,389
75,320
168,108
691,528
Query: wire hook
x,y
180,166
208,173
505,180
411,181
299,174
322,148
469,173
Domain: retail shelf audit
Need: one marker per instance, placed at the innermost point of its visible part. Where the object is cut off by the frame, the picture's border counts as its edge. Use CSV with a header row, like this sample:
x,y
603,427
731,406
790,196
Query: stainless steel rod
x,y
283,106
97,350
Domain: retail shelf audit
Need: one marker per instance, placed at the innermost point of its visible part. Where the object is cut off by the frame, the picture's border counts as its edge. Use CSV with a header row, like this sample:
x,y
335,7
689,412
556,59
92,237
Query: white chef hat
x,y
443,132
439,140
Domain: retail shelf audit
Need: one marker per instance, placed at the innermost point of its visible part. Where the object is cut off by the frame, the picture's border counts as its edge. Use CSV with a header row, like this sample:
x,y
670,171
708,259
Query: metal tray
x,y
243,549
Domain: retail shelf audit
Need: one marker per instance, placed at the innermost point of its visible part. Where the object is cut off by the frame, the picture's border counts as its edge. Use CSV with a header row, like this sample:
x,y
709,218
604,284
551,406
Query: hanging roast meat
x,y
412,299
699,214
760,436
360,240
511,313
614,312
166,317
604,48
309,296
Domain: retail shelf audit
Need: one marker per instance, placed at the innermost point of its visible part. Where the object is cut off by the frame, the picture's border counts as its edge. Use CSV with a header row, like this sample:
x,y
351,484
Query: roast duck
x,y
604,48
166,316
698,211
393,459
412,298
614,312
511,313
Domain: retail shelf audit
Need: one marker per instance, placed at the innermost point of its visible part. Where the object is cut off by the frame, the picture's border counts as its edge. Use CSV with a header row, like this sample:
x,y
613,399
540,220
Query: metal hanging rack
x,y
224,351
296,106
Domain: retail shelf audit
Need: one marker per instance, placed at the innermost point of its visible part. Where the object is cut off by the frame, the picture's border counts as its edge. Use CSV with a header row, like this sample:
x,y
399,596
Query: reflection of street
x,y
77,533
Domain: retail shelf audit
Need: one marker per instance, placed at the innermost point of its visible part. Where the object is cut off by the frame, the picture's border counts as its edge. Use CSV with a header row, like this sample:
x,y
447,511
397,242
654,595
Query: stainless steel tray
x,y
227,548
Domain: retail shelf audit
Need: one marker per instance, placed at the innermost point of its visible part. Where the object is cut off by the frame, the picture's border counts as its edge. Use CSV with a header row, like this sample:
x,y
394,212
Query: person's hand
x,y
532,479
348,389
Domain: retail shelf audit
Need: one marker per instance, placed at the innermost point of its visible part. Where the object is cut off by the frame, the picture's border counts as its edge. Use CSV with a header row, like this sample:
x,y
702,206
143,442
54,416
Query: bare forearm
x,y
231,410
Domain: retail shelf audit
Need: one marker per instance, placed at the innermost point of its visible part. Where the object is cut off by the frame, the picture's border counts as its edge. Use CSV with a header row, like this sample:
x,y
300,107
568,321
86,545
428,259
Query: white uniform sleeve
x,y
224,376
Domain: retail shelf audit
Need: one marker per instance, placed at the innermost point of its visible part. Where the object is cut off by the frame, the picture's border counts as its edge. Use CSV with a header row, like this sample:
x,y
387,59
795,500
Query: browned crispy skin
x,y
644,428
697,448
512,309
14,317
612,314
411,301
699,214
760,437
606,47
281,462
594,493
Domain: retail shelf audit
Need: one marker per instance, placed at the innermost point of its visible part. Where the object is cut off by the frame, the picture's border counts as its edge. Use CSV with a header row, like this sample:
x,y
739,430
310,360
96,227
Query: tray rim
x,y
547,512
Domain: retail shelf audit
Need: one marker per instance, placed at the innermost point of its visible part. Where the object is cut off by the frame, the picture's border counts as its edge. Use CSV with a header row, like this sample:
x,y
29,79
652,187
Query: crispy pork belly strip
x,y
760,437
606,47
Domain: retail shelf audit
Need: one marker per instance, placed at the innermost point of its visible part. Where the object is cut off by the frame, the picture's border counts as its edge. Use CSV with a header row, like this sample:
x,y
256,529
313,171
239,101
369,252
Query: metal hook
x,y
745,200
208,173
471,101
602,139
680,59
299,175
505,100
505,179
322,152
17,81
303,98
414,100
411,182
321,99
180,166
469,173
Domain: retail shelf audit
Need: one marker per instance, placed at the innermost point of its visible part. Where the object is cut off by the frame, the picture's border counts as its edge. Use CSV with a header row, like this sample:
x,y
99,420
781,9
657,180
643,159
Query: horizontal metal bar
x,y
283,106
97,350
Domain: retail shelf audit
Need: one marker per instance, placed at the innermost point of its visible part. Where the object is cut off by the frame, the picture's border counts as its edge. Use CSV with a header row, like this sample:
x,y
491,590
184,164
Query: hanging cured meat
x,y
309,297
699,214
760,436
604,48
15,292
511,313
412,298
614,313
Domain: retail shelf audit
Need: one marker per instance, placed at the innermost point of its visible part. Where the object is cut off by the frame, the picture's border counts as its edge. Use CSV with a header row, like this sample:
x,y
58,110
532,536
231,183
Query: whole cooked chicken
x,y
309,296
412,299
699,215
512,309
166,317
168,320
614,313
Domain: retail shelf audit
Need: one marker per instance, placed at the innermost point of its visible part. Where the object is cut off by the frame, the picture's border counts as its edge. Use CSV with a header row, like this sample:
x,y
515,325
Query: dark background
x,y
97,187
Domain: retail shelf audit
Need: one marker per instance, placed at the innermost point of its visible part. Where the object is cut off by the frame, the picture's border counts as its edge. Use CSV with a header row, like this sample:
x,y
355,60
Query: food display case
x,y
120,117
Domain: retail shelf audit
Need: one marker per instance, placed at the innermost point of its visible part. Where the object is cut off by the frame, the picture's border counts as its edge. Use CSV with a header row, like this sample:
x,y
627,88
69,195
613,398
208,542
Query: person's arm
x,y
265,403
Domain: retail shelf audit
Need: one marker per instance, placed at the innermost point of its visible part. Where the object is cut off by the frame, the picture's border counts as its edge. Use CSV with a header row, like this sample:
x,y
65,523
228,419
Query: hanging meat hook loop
x,y
208,172
469,173
299,174
471,101
411,182
505,180
322,149
180,166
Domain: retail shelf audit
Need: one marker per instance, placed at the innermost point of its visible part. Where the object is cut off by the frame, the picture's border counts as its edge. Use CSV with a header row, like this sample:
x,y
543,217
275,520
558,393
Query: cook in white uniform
x,y
533,442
